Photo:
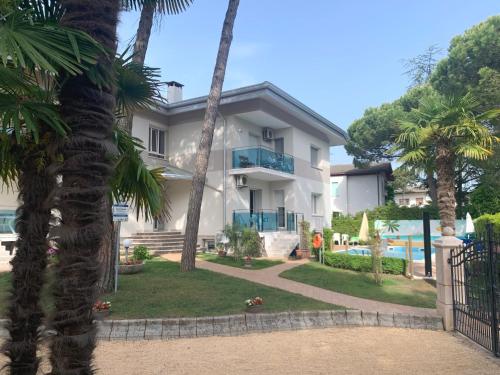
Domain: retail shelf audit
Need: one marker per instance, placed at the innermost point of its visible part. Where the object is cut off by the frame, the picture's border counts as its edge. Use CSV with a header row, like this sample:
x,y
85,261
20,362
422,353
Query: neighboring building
x,y
412,196
275,153
353,190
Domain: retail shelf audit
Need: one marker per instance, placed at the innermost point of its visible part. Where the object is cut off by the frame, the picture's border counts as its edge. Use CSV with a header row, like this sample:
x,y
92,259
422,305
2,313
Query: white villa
x,y
269,165
355,190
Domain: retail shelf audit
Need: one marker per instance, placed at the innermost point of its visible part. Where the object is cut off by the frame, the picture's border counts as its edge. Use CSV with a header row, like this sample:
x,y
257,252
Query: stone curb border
x,y
235,325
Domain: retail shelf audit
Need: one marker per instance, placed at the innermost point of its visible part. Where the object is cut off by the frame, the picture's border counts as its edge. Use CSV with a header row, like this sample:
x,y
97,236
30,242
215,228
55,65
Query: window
x,y
314,157
419,201
335,189
157,142
316,204
404,201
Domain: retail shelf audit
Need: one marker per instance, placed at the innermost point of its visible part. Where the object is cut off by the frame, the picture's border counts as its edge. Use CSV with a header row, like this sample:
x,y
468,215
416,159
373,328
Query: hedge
x,y
393,266
481,221
350,224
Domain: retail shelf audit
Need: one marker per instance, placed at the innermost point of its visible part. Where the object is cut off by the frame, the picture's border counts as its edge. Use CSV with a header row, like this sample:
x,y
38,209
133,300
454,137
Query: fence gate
x,y
475,275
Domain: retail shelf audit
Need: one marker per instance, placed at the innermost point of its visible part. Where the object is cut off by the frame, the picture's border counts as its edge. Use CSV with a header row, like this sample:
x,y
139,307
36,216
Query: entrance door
x,y
256,209
279,145
255,200
279,201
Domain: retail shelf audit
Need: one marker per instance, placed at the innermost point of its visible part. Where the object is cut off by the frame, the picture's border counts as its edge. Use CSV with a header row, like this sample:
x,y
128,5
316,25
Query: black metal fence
x,y
475,276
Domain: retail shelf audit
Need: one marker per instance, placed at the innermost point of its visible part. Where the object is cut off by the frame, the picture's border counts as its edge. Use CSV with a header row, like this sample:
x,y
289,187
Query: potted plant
x,y
254,305
248,261
101,309
136,263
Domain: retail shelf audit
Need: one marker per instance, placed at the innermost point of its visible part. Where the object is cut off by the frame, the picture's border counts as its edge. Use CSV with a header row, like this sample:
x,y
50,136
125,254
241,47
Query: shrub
x,y
481,221
251,243
350,224
393,266
327,237
141,252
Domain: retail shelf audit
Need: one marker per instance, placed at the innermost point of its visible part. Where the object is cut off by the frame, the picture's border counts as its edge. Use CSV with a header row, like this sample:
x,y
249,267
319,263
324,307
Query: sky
x,y
337,57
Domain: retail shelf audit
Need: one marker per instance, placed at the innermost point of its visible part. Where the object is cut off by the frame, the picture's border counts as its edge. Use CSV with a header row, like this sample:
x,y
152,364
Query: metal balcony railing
x,y
258,156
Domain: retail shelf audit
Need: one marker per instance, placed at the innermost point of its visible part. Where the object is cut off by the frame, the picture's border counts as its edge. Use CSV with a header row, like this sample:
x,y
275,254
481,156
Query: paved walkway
x,y
270,277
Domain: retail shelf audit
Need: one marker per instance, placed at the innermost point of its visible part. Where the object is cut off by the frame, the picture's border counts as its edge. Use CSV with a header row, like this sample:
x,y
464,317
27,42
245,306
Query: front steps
x,y
280,244
158,242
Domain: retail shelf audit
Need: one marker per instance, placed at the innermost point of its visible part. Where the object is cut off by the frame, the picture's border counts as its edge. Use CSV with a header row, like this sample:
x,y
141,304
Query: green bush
x,y
481,221
393,266
141,252
327,237
251,243
350,224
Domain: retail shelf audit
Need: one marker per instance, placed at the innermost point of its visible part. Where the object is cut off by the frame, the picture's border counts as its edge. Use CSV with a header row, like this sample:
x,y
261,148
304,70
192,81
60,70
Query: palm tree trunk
x,y
207,134
431,183
88,110
143,32
107,254
445,165
28,266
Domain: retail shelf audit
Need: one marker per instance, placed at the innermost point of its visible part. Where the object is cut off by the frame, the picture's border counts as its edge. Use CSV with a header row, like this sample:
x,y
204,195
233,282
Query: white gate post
x,y
444,304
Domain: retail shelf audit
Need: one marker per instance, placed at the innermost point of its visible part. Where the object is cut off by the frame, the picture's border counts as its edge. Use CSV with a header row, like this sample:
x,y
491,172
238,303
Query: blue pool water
x,y
392,252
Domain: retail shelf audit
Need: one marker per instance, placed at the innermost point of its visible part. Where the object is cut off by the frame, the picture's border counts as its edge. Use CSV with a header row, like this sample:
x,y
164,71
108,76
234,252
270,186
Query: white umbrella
x,y
469,224
364,231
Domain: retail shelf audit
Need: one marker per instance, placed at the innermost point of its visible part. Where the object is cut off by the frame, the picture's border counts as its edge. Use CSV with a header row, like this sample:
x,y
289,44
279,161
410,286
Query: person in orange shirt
x,y
317,243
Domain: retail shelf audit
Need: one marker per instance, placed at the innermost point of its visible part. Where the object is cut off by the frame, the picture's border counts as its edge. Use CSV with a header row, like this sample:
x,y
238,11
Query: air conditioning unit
x,y
241,181
268,134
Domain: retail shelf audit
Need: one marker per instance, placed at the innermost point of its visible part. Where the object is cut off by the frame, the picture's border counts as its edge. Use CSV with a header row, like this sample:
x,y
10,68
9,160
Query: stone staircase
x,y
158,242
280,244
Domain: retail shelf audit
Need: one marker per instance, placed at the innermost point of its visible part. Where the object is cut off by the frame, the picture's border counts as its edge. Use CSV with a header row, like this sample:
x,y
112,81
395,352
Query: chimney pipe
x,y
174,92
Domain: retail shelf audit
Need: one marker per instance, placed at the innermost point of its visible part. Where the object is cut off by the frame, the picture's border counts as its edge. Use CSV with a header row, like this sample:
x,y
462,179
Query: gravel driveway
x,y
369,350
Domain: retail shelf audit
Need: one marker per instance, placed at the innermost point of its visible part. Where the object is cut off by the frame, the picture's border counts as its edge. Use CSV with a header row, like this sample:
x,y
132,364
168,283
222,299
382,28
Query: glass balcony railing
x,y
258,156
265,220
7,221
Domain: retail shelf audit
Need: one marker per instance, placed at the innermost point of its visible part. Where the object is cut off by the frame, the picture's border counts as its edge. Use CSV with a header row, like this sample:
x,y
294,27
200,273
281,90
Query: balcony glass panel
x,y
7,221
262,220
250,157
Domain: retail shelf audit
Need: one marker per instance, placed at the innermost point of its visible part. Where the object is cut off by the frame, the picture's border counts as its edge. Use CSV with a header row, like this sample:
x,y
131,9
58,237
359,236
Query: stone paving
x,y
270,277
235,325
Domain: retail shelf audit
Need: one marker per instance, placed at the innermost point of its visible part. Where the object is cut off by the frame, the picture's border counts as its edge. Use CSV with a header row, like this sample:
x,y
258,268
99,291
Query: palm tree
x,y
88,109
444,128
205,145
138,87
33,50
149,7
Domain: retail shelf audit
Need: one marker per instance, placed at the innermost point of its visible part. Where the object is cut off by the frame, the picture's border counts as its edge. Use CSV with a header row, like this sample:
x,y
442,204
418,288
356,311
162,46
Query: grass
x,y
257,264
395,289
162,291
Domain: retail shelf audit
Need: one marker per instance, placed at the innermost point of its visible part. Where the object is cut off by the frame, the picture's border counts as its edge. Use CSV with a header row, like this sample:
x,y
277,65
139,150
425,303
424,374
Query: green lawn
x,y
162,291
395,289
257,264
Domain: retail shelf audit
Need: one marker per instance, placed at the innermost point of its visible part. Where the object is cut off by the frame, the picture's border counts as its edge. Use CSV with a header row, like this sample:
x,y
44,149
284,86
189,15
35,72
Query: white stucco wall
x,y
358,193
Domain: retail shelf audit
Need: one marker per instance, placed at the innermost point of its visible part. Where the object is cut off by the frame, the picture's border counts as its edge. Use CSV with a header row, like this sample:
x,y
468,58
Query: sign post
x,y
120,213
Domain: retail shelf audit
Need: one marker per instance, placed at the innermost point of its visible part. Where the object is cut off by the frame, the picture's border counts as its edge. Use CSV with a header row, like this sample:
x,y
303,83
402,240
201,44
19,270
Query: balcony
x,y
266,220
255,159
7,221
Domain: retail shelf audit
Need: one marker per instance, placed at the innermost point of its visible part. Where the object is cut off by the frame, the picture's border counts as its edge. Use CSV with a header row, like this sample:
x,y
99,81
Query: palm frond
x,y
144,188
137,86
46,11
161,6
38,46
24,104
473,151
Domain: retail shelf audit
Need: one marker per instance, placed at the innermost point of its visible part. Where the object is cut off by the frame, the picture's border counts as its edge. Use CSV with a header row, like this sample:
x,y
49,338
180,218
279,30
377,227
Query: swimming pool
x,y
391,252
